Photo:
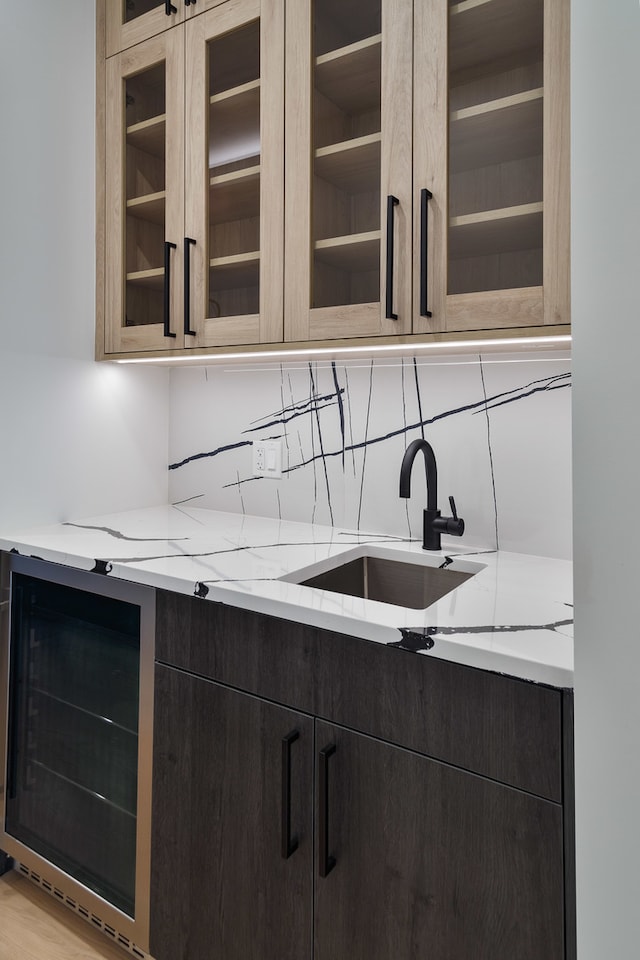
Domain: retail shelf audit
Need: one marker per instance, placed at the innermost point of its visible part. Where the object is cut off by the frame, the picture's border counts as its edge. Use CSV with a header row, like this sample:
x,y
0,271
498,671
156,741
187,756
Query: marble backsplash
x,y
500,426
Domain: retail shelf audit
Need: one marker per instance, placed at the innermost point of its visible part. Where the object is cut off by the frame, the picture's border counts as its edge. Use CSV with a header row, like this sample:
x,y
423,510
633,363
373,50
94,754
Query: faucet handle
x,y
453,525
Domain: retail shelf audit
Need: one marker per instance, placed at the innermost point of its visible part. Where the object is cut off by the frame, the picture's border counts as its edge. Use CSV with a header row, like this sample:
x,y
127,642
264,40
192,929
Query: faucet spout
x,y
433,524
431,472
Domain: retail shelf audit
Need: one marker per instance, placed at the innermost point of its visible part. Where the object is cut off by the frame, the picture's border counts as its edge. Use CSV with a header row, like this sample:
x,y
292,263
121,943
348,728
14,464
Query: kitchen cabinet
x,y
432,860
418,154
129,22
436,198
430,802
349,133
193,195
217,815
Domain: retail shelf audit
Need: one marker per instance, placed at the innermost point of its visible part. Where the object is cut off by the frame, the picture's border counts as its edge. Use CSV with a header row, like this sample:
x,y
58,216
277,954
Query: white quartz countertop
x,y
513,616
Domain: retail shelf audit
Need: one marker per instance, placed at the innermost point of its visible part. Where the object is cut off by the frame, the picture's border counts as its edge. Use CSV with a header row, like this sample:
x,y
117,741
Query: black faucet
x,y
434,525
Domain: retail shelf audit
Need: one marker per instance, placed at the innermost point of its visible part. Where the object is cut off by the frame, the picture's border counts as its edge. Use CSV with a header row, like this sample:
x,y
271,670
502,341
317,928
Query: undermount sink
x,y
413,583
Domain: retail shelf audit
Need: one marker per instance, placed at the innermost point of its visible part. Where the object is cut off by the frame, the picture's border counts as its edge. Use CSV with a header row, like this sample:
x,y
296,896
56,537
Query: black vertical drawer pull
x,y
391,203
326,862
168,247
425,196
188,243
289,843
169,8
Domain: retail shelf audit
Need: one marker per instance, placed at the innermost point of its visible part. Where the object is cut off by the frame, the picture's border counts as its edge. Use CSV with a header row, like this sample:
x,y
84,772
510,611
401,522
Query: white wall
x,y
606,363
76,437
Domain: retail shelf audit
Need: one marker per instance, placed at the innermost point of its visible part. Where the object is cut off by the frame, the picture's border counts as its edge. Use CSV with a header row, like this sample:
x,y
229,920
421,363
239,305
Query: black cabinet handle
x,y
188,243
326,862
169,8
391,203
425,196
168,247
289,843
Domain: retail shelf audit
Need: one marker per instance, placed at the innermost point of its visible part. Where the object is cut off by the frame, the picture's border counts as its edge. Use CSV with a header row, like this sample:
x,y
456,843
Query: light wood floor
x,y
34,927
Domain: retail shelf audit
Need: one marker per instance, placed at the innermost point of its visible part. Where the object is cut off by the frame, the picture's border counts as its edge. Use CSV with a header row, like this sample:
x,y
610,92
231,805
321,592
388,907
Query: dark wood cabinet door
x,y
221,886
431,861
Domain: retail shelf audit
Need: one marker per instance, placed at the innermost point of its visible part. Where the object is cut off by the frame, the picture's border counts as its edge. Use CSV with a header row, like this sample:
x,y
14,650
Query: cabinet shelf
x,y
150,279
352,165
496,231
501,130
234,196
240,270
356,252
150,208
86,791
234,124
148,135
40,691
351,76
486,31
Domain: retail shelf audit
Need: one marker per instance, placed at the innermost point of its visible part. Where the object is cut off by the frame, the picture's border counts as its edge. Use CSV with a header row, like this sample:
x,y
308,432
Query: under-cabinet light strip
x,y
457,346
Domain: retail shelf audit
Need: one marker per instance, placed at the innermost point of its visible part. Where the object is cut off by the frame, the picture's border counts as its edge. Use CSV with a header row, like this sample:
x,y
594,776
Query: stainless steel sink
x,y
387,579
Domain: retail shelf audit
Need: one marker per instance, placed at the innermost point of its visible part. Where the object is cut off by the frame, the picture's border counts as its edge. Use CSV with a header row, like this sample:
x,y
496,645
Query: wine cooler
x,y
76,713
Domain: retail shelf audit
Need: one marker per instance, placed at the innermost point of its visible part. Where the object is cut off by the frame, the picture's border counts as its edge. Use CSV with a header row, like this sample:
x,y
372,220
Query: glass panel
x,y
495,145
145,98
132,9
234,172
73,739
346,152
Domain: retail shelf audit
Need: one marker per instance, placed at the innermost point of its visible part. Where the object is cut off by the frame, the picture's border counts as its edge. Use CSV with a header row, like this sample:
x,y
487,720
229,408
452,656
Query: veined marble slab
x,y
514,616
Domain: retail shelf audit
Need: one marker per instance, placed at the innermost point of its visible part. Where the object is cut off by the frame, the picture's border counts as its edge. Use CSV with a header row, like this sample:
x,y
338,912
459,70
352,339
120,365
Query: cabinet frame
x,y
120,36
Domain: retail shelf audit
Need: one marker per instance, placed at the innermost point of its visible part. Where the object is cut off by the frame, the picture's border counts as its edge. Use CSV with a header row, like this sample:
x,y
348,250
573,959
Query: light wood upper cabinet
x,y
129,22
491,142
332,170
194,202
460,111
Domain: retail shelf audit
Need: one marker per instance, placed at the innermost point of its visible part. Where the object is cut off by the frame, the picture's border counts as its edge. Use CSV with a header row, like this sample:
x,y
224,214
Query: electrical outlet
x,y
267,458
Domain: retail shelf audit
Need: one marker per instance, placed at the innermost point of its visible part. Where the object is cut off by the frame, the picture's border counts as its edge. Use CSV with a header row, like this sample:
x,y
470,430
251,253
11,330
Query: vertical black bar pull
x,y
425,196
188,243
289,843
169,8
168,247
391,203
326,862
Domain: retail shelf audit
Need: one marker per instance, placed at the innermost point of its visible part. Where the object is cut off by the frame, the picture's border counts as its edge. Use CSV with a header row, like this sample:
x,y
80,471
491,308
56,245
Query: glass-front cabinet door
x,y
495,214
132,21
145,196
348,168
234,203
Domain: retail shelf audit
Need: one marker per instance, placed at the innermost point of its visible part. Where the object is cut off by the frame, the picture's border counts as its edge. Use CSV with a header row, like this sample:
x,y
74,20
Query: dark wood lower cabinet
x,y
434,859
221,888
431,861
